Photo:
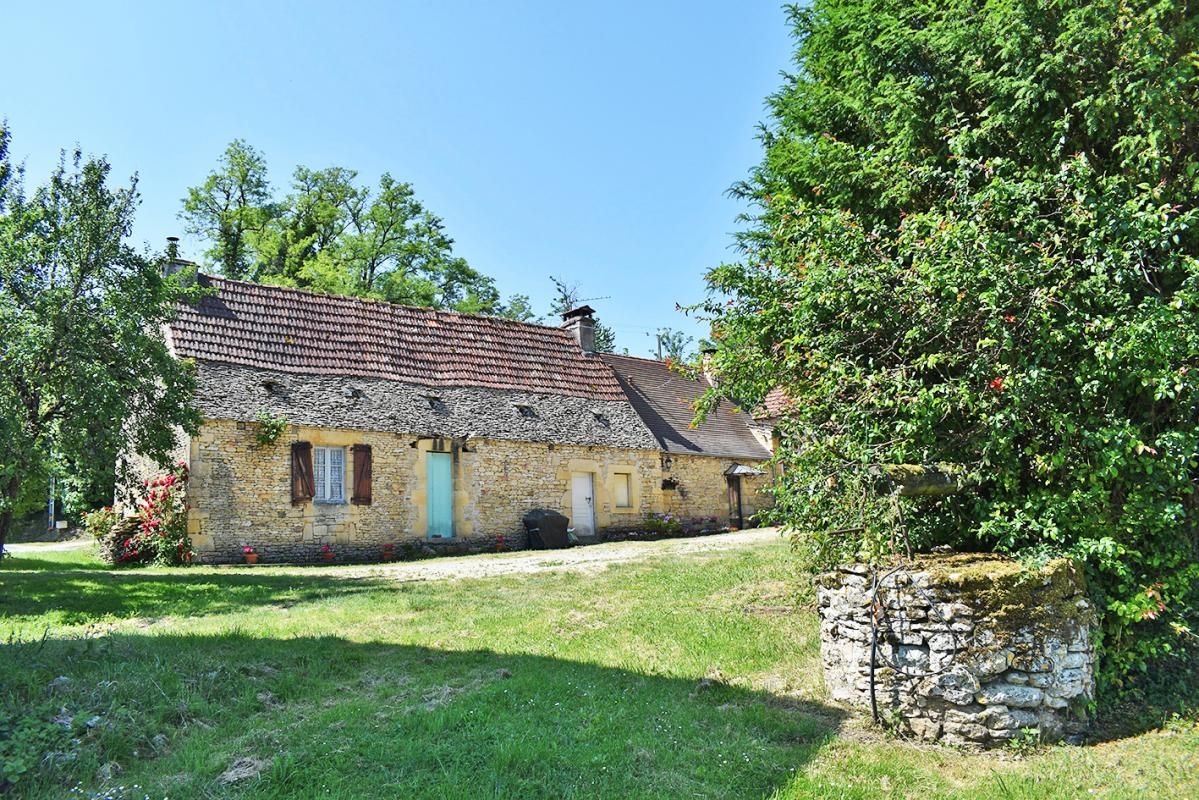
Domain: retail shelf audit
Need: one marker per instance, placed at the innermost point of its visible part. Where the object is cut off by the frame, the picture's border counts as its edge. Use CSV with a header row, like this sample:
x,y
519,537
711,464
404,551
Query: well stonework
x,y
970,649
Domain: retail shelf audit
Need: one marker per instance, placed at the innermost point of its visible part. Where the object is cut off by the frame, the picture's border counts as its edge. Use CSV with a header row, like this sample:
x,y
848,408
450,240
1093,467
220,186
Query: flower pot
x,y
389,555
328,556
251,558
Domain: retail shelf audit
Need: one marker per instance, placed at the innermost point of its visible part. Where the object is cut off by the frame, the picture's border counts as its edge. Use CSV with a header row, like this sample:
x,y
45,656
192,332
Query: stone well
x,y
968,649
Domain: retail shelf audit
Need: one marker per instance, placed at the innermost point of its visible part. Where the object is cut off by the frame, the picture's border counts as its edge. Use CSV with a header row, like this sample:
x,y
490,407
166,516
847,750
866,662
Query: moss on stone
x,y
1008,595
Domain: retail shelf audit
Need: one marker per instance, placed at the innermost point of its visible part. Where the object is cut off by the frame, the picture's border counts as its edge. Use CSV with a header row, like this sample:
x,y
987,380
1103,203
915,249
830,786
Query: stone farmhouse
x,y
422,429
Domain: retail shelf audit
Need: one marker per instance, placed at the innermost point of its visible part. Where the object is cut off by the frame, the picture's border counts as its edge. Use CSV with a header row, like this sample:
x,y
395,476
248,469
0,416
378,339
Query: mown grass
x,y
691,677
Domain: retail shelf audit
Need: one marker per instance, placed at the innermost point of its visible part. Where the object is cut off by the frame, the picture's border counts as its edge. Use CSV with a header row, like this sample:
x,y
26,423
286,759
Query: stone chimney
x,y
580,322
173,264
706,366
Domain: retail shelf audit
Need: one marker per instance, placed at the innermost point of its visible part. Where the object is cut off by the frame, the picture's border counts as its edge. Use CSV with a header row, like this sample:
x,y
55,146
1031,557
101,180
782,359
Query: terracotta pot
x,y
251,558
328,556
389,555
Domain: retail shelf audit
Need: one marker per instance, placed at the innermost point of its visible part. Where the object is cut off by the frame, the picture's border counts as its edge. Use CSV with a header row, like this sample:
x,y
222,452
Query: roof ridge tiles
x,y
267,288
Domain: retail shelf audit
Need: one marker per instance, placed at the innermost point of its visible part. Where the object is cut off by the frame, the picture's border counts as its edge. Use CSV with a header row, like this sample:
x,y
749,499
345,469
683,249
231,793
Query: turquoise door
x,y
440,481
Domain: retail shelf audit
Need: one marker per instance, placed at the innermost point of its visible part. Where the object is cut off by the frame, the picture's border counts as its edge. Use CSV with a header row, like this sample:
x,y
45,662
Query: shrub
x,y
270,428
100,522
969,248
667,524
161,533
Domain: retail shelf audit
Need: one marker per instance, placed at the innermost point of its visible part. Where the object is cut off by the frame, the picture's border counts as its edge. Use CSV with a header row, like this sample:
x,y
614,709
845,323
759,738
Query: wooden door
x,y
582,503
735,517
439,480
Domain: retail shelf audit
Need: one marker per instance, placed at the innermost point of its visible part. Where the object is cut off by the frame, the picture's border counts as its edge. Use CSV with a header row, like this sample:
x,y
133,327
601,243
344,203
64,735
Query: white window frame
x,y
627,479
329,475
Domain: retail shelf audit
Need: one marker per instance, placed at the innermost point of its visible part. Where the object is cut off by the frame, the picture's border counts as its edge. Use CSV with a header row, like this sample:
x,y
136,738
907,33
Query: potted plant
x,y
389,552
327,552
249,554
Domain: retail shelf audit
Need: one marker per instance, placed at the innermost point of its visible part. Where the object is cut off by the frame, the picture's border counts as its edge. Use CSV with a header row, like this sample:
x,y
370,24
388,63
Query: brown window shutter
x,y
362,474
302,485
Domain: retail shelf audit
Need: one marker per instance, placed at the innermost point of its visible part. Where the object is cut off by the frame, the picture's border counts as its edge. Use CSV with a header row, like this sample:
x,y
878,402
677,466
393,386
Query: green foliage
x,y
231,208
519,308
27,738
974,242
84,372
1027,742
673,345
330,234
99,523
270,428
668,524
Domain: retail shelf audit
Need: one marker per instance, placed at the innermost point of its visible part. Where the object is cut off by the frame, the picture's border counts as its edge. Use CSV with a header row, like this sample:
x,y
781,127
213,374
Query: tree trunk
x,y
10,495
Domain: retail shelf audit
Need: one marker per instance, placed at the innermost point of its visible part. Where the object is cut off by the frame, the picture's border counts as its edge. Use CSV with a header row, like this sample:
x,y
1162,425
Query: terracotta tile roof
x,y
776,402
663,398
302,332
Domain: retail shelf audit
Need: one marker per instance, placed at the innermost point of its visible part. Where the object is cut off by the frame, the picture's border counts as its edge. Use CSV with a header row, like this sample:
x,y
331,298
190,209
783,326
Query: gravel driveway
x,y
591,558
583,559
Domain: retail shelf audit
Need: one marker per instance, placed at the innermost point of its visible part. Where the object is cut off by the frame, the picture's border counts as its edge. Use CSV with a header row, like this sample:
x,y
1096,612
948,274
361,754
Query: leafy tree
x,y
330,234
566,297
231,209
519,308
84,372
673,345
974,242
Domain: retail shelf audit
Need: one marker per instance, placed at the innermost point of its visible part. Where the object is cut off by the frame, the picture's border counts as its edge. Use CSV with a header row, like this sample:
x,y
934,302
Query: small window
x,y
624,490
436,404
329,472
526,411
601,419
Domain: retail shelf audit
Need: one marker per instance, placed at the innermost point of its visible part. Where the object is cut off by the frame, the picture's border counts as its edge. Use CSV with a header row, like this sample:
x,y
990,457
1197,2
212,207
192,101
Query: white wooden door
x,y
582,504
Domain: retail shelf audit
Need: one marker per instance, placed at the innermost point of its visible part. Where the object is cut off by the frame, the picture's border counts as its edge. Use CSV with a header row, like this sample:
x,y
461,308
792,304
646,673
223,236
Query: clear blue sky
x,y
590,141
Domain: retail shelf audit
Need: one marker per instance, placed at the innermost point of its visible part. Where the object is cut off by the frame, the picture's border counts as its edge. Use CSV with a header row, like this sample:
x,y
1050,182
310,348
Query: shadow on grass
x,y
323,716
66,594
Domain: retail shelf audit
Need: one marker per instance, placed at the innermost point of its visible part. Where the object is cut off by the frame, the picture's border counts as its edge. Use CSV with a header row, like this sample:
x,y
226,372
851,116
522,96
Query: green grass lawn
x,y
672,678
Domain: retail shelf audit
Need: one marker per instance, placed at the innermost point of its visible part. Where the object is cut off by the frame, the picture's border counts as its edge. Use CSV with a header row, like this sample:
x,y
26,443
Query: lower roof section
x,y
665,400
237,392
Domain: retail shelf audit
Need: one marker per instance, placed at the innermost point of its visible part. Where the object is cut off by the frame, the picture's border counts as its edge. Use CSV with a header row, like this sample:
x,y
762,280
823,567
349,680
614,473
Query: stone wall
x,y
240,492
970,649
702,488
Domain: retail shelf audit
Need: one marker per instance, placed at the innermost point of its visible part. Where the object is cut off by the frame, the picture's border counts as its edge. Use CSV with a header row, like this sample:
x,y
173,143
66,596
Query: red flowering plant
x,y
100,521
161,535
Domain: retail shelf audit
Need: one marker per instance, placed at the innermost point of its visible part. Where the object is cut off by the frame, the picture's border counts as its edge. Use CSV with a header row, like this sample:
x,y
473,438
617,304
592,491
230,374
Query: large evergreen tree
x,y
974,242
